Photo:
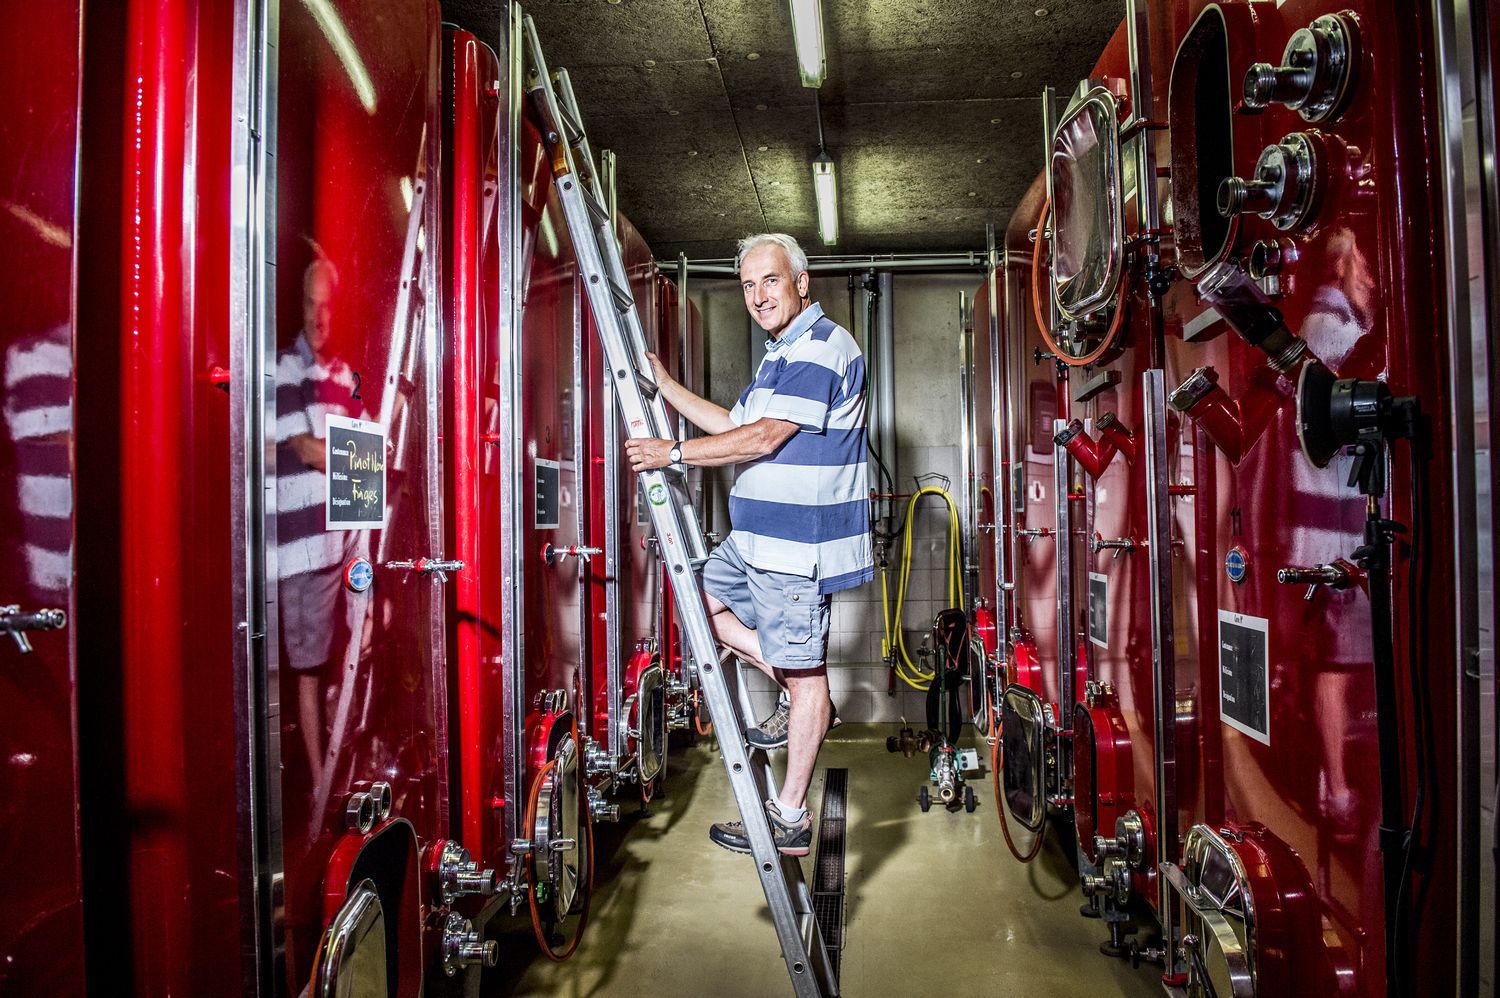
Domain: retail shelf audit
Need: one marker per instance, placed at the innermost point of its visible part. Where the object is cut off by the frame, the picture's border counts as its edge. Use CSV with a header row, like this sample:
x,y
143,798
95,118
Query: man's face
x,y
317,309
772,294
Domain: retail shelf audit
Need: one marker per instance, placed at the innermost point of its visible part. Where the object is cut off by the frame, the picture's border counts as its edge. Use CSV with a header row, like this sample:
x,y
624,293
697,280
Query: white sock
x,y
790,815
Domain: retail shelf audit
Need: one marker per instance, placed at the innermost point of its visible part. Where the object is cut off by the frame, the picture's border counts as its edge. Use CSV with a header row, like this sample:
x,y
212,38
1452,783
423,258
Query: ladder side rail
x,y
679,538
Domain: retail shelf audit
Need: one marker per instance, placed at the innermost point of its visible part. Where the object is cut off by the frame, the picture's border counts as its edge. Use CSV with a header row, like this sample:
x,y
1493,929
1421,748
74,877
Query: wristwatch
x,y
675,454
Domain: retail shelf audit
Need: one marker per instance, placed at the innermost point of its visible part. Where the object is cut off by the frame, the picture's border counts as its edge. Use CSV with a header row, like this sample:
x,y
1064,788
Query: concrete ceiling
x,y
931,110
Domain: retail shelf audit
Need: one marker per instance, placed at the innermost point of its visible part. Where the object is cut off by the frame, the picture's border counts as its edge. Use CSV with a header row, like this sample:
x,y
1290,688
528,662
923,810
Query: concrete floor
x,y
935,901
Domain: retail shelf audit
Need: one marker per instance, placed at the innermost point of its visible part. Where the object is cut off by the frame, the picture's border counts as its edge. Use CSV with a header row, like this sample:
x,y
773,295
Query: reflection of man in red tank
x,y
311,384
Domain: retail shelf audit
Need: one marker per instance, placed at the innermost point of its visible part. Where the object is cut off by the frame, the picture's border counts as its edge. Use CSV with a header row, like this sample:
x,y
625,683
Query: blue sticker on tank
x,y
359,575
1235,564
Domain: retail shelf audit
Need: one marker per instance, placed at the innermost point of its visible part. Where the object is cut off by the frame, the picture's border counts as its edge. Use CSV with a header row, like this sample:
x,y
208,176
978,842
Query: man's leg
x,y
811,711
741,640
310,717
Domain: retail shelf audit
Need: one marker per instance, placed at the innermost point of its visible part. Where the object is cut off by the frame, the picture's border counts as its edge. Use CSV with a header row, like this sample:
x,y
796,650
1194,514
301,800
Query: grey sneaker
x,y
791,839
772,732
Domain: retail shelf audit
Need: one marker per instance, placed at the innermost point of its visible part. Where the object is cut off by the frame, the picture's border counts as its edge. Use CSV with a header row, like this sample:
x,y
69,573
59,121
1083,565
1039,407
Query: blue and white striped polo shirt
x,y
307,391
805,510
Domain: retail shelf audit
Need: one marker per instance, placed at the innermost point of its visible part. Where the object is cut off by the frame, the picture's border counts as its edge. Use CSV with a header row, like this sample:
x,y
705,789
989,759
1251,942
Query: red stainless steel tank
x,y
1343,247
41,908
484,727
361,582
626,694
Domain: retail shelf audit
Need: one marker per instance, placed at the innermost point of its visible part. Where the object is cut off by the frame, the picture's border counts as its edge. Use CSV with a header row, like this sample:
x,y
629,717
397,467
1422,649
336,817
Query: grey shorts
x,y
786,611
307,605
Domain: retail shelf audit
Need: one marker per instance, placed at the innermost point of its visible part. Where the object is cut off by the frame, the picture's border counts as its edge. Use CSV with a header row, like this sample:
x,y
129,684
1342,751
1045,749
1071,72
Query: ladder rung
x,y
624,300
596,207
566,115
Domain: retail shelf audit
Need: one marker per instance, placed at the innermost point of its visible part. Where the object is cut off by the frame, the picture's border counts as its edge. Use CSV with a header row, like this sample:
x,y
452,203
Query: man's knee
x,y
804,682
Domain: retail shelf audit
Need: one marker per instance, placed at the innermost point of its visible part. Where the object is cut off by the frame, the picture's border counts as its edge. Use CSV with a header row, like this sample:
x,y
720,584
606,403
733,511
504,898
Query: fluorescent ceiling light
x,y
826,189
807,36
337,33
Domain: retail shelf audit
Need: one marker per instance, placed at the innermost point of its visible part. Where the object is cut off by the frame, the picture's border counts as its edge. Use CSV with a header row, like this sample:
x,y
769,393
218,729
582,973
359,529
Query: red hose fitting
x,y
1093,456
1110,428
1201,399
1234,425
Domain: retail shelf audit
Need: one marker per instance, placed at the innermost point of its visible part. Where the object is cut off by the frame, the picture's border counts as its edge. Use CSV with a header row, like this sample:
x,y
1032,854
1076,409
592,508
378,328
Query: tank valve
x,y
1033,533
1117,544
1249,312
596,758
462,947
1111,884
1317,72
552,554
601,809
1335,575
458,875
437,568
1284,187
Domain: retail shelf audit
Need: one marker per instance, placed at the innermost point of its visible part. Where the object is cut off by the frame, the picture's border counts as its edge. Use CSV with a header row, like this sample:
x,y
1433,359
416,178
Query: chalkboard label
x,y
355,475
548,495
1244,674
1099,609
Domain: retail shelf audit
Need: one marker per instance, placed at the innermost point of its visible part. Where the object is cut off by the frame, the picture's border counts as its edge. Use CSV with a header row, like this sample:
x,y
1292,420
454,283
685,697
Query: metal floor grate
x,y
828,866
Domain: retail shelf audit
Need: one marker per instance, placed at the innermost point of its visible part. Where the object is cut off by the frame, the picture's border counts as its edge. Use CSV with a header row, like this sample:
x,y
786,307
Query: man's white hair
x,y
793,252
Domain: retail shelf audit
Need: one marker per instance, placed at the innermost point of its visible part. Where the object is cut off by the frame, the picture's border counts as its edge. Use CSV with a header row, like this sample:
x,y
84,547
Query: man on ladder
x,y
799,510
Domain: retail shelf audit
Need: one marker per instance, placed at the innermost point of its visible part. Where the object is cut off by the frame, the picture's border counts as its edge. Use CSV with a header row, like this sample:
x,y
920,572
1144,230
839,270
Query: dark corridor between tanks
x,y
708,497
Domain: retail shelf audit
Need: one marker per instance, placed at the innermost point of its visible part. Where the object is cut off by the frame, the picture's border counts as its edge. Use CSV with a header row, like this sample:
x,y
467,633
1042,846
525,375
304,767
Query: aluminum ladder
x,y
679,535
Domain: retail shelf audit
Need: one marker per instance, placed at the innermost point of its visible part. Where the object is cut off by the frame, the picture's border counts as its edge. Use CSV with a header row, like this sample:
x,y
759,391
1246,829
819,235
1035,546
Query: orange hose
x,y
532,799
1036,846
1036,304
698,713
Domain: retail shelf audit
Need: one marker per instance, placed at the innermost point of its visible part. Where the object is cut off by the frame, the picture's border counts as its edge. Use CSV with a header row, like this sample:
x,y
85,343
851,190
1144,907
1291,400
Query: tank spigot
x,y
463,947
552,554
1317,72
1335,575
457,875
1284,188
1117,544
1238,196
601,809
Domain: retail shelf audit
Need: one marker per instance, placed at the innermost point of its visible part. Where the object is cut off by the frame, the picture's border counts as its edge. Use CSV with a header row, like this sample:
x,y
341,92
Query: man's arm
x,y
702,413
742,443
310,450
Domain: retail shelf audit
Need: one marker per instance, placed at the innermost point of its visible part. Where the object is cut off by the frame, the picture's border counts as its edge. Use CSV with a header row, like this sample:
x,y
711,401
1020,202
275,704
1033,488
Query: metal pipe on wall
x,y
967,501
936,263
885,385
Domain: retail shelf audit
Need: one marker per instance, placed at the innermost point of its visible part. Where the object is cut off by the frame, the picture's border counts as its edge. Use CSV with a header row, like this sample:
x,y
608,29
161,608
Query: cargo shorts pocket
x,y
800,612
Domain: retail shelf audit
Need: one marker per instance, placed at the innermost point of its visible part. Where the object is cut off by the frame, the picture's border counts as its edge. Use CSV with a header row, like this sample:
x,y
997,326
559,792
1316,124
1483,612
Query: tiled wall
x,y
927,429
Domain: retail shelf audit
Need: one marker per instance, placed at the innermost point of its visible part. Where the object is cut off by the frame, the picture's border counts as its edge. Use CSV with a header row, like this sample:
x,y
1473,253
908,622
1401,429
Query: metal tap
x,y
601,809
1099,543
463,946
515,880
552,555
16,623
1033,533
438,568
1335,576
458,875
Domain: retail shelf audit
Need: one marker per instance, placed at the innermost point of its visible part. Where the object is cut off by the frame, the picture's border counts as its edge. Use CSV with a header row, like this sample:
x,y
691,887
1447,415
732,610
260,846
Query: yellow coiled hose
x,y
894,643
